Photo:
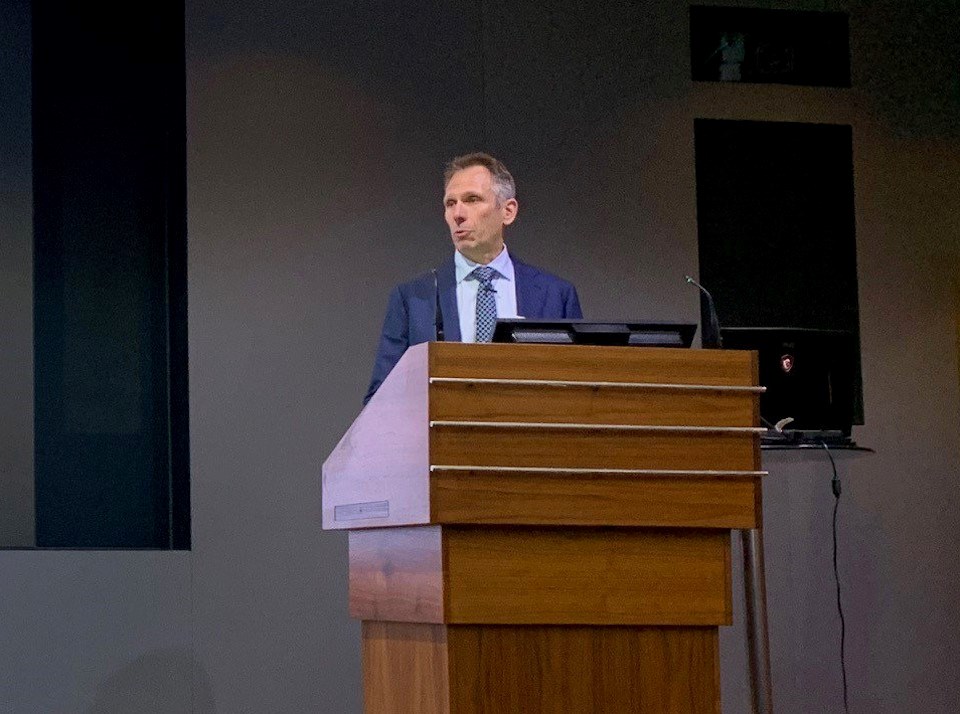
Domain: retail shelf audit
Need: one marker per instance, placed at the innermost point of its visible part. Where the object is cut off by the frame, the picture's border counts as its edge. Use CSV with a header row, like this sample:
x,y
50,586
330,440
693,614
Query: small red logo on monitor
x,y
786,363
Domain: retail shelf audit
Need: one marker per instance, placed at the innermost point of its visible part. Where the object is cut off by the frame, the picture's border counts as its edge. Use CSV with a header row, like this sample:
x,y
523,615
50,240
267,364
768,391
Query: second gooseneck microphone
x,y
437,312
710,337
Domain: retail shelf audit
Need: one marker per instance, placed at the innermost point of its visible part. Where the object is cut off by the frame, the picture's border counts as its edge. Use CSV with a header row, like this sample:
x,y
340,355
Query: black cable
x,y
835,487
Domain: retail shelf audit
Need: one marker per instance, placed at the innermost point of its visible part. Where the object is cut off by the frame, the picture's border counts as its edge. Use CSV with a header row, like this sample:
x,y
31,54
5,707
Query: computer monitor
x,y
809,374
584,332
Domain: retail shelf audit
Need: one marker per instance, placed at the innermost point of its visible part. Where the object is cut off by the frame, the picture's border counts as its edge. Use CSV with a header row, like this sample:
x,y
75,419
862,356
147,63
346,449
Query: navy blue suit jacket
x,y
411,312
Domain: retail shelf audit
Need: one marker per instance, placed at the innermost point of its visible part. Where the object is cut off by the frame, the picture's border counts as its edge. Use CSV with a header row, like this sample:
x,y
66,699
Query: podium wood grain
x,y
591,404
590,449
511,575
572,362
397,574
468,669
585,499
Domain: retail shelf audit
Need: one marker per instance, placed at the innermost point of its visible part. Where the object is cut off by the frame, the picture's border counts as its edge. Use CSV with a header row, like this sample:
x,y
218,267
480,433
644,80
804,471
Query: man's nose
x,y
459,215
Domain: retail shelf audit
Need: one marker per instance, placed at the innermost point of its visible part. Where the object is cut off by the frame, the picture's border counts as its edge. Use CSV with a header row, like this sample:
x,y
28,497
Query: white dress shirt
x,y
504,283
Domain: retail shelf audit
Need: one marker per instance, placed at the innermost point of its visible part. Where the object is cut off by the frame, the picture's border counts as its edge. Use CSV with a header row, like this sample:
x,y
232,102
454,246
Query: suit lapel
x,y
529,290
447,284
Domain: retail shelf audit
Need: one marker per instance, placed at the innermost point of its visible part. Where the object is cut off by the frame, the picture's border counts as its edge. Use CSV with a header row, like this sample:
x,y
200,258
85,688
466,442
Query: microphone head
x,y
779,426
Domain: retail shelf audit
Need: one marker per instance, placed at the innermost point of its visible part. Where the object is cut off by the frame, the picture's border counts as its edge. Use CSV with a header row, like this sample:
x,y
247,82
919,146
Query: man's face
x,y
476,220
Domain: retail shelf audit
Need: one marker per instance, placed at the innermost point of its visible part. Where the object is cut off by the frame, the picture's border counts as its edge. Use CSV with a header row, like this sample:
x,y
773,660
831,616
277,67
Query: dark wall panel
x,y
16,279
776,226
109,234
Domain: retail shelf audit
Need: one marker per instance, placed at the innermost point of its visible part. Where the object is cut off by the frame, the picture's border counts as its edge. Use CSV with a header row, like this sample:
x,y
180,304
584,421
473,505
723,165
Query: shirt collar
x,y
502,264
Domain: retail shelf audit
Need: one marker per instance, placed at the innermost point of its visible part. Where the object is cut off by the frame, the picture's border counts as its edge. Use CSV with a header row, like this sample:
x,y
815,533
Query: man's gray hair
x,y
503,184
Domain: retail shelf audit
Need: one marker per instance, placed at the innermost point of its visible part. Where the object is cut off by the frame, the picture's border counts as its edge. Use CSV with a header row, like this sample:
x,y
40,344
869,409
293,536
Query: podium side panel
x,y
397,574
405,668
378,474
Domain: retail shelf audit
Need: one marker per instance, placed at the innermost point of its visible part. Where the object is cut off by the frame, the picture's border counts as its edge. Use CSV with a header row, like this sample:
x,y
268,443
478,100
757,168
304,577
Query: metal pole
x,y
758,640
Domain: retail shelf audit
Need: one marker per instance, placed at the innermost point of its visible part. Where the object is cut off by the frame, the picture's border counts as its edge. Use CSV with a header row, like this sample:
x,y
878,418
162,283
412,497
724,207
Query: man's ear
x,y
510,208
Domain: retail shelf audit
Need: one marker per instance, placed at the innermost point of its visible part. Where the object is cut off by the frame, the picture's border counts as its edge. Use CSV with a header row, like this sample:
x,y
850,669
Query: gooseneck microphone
x,y
437,312
710,337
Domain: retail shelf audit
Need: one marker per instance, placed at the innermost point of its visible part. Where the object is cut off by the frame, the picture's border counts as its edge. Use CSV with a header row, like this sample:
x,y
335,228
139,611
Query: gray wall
x,y
315,136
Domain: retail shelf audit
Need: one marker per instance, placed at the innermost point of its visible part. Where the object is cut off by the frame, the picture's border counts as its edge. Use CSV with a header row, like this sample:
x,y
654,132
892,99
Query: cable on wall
x,y
836,488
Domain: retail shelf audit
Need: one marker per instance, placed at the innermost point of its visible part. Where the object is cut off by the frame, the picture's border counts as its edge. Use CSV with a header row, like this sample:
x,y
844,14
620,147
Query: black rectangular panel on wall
x,y
111,444
776,226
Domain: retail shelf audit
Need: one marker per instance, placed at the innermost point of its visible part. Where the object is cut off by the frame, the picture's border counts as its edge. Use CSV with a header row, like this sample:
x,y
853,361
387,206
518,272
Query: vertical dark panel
x,y
16,279
174,107
108,265
776,228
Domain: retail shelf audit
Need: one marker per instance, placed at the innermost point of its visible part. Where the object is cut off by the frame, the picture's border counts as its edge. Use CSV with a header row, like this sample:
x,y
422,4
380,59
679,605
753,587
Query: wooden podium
x,y
542,528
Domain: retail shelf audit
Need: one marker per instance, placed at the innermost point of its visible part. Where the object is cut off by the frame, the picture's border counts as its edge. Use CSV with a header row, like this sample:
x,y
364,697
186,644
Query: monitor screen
x,y
808,373
583,332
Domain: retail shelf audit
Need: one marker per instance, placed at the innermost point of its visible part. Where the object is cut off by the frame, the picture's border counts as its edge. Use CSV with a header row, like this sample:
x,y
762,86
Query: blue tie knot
x,y
485,274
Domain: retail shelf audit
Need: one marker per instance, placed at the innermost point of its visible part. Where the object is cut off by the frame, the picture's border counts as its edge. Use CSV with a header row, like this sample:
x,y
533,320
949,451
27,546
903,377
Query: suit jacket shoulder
x,y
542,295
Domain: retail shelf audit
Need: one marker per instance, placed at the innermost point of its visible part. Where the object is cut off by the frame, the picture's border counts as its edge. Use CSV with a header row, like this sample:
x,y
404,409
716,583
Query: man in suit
x,y
480,281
